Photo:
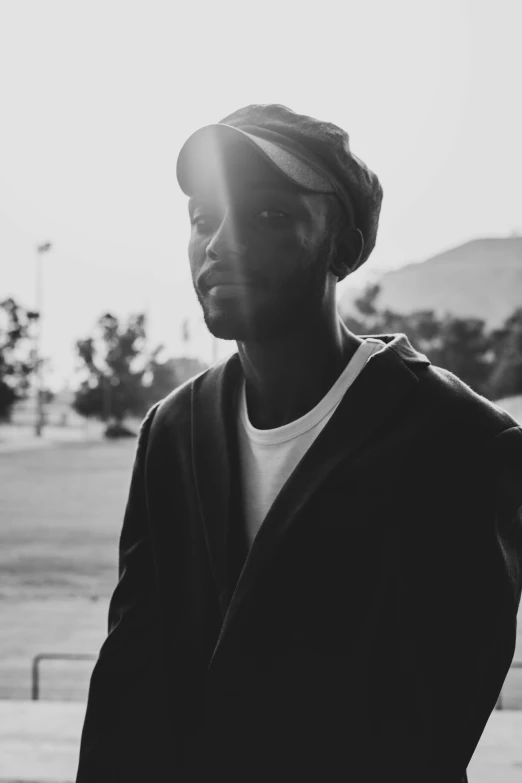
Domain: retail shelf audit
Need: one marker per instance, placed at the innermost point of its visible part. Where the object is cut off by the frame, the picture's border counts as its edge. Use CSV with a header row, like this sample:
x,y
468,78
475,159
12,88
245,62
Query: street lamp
x,y
39,420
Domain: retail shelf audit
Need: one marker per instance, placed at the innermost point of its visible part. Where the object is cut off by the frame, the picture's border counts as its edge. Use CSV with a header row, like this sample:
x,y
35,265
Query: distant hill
x,y
482,278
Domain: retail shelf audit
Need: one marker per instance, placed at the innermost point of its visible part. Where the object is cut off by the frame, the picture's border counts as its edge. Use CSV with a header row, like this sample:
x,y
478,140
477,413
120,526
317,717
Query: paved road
x,y
39,744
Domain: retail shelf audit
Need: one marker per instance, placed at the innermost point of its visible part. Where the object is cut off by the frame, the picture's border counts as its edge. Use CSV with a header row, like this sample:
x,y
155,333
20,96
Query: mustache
x,y
217,275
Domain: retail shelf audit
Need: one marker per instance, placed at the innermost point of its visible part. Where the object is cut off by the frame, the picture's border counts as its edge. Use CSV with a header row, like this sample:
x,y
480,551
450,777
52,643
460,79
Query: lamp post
x,y
39,419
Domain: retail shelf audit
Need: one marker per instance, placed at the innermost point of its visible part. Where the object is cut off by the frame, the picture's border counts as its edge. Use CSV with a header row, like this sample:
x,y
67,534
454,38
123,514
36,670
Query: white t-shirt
x,y
268,457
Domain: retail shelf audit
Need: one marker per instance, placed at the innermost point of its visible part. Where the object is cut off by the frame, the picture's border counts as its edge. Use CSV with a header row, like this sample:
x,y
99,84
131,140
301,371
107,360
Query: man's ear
x,y
350,244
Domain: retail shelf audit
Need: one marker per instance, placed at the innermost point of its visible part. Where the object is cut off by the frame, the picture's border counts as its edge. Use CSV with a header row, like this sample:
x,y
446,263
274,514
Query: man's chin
x,y
224,333
228,327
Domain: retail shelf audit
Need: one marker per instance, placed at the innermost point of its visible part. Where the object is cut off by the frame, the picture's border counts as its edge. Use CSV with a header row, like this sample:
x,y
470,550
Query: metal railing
x,y
35,668
35,678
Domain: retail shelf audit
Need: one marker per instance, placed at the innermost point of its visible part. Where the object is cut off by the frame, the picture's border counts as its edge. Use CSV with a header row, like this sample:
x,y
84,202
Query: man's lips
x,y
231,284
213,281
229,288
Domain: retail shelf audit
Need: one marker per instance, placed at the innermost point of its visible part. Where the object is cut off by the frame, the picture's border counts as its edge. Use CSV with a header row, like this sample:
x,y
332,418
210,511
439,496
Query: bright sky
x,y
98,97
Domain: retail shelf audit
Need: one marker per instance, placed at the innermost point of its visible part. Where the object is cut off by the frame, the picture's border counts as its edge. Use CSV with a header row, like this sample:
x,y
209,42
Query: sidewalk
x,y
39,743
15,437
498,757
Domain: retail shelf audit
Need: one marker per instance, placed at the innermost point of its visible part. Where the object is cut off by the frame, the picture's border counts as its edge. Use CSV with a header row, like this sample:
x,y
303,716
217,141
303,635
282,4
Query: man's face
x,y
258,249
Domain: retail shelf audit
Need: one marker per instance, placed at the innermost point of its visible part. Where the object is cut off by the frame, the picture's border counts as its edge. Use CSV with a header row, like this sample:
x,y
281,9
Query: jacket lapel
x,y
214,402
378,393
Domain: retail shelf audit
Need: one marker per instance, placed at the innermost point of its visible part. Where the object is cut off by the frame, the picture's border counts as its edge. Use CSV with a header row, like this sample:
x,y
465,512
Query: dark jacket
x,y
373,622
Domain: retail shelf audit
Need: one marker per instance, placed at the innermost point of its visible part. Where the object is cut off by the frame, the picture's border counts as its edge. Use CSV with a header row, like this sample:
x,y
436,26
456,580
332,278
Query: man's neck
x,y
287,377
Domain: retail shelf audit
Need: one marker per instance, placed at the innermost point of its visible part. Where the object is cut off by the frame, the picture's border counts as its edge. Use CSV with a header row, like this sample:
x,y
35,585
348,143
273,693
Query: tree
x,y
115,362
160,378
17,359
122,376
506,378
465,349
460,345
422,326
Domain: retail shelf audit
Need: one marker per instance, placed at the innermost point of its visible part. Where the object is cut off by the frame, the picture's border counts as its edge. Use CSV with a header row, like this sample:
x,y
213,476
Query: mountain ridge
x,y
481,278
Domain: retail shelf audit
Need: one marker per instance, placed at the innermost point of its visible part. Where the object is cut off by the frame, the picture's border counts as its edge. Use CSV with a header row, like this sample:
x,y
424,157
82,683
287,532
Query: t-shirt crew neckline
x,y
332,398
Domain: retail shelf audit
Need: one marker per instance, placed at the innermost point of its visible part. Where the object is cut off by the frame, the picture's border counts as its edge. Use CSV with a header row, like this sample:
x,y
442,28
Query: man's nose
x,y
226,242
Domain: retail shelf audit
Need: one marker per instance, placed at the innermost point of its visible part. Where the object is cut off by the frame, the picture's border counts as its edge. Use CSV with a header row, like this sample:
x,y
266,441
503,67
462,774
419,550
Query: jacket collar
x,y
399,344
368,404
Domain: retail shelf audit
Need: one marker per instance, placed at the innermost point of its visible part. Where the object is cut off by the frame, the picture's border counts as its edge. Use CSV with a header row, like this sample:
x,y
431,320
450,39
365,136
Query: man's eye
x,y
200,221
272,214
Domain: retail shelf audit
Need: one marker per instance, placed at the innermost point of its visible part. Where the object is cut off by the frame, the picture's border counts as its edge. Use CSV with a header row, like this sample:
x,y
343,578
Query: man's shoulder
x,y
443,396
179,398
447,396
177,404
176,407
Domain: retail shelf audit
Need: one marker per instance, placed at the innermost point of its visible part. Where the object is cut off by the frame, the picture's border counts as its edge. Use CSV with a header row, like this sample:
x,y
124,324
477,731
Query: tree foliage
x,y
17,359
488,361
506,378
122,377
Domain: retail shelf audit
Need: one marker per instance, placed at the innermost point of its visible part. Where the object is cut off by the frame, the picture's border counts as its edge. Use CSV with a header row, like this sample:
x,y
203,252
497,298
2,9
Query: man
x,y
320,560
